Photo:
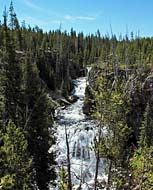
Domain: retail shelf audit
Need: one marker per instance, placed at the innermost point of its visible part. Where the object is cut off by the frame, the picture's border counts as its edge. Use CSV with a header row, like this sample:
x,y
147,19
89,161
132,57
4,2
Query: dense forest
x,y
37,69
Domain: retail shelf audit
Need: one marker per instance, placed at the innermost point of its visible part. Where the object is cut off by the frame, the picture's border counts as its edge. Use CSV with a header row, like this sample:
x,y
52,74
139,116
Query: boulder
x,y
72,98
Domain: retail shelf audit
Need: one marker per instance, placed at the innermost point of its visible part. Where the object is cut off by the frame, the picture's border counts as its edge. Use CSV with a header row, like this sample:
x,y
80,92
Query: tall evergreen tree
x,y
146,129
14,159
39,127
12,80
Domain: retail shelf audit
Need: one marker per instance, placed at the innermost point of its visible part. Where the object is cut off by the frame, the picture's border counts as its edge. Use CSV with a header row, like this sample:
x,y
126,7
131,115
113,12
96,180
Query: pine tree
x,y
39,127
142,161
12,80
15,27
12,17
109,110
142,168
63,185
15,162
146,130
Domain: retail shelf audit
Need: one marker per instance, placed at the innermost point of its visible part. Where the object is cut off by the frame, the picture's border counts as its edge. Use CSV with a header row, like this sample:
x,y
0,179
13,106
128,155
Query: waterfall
x,y
81,132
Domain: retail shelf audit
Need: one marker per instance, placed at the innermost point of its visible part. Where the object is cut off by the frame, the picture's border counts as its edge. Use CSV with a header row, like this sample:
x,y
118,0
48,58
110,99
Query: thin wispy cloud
x,y
33,21
69,17
32,5
38,22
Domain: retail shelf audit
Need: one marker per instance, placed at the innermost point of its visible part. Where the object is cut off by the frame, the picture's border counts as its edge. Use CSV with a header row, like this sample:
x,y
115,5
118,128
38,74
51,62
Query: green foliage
x,y
142,168
111,93
63,184
12,81
142,161
109,108
146,129
7,182
14,159
39,128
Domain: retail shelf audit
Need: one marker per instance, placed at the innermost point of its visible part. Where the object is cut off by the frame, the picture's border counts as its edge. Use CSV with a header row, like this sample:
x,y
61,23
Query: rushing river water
x,y
81,132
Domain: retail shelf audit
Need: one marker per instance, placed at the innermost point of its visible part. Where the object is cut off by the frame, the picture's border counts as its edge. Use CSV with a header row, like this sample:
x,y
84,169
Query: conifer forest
x,y
76,109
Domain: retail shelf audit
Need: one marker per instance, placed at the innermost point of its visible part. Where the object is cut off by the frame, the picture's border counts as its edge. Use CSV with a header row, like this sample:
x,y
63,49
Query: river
x,y
81,132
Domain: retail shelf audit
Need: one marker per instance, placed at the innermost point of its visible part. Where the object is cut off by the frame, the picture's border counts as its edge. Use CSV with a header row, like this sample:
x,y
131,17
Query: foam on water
x,y
81,135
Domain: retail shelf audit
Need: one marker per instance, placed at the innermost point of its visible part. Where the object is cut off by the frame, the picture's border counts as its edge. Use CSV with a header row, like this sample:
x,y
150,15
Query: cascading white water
x,y
81,132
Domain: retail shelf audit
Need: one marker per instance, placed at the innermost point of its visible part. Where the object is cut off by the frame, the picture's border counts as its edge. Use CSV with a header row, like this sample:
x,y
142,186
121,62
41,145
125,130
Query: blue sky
x,y
87,15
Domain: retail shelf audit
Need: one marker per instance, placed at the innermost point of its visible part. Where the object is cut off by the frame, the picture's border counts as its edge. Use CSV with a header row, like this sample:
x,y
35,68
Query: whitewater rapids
x,y
81,132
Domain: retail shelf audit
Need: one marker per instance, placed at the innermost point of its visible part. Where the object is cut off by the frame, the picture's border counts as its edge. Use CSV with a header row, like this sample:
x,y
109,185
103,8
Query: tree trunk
x,y
68,161
97,157
109,175
97,166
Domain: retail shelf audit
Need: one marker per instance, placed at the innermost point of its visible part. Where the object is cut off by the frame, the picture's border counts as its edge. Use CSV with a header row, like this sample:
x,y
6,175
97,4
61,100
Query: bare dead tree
x,y
126,55
97,153
68,160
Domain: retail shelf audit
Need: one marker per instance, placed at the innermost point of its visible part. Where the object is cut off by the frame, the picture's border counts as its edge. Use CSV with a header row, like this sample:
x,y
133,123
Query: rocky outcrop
x,y
137,93
95,72
88,101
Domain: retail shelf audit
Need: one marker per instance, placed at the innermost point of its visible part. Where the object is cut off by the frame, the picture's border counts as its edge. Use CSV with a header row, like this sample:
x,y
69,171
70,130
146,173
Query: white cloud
x,y
40,23
33,21
69,17
85,18
32,5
